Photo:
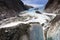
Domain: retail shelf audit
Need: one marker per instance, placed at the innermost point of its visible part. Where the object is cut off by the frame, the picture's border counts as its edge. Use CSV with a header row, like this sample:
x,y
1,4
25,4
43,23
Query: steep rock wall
x,y
53,32
52,5
9,9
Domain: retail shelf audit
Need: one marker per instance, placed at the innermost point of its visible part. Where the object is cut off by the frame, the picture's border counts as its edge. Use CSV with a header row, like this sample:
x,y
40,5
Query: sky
x,y
35,3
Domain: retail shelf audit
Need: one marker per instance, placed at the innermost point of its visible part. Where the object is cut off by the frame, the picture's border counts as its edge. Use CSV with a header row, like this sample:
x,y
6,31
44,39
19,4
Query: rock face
x,y
11,8
15,33
13,4
53,32
52,5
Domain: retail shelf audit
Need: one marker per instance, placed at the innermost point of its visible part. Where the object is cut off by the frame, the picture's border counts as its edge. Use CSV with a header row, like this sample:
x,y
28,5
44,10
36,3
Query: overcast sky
x,y
35,2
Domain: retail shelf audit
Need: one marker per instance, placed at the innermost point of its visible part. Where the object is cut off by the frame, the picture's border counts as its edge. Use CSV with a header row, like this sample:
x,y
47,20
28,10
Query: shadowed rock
x,y
53,6
14,33
53,33
9,9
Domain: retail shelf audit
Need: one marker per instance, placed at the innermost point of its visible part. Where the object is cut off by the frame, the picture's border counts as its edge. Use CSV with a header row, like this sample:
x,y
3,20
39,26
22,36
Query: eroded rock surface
x,y
9,11
53,32
15,33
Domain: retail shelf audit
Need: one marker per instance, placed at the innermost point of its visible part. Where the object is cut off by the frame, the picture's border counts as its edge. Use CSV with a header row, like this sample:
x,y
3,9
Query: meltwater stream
x,y
37,32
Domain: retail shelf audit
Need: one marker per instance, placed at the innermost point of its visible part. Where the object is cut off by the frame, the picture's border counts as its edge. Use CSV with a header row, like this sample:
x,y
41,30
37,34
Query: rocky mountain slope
x,y
54,30
52,5
9,9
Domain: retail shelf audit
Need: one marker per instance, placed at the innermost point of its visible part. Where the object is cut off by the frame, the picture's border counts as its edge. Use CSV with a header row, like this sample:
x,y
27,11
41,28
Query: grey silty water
x,y
36,33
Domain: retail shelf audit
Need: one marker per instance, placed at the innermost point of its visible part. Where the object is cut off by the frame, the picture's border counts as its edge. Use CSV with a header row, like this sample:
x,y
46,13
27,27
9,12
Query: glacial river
x,y
36,32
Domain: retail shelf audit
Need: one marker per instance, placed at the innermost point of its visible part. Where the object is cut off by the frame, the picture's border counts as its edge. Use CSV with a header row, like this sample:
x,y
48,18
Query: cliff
x,y
11,9
53,6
